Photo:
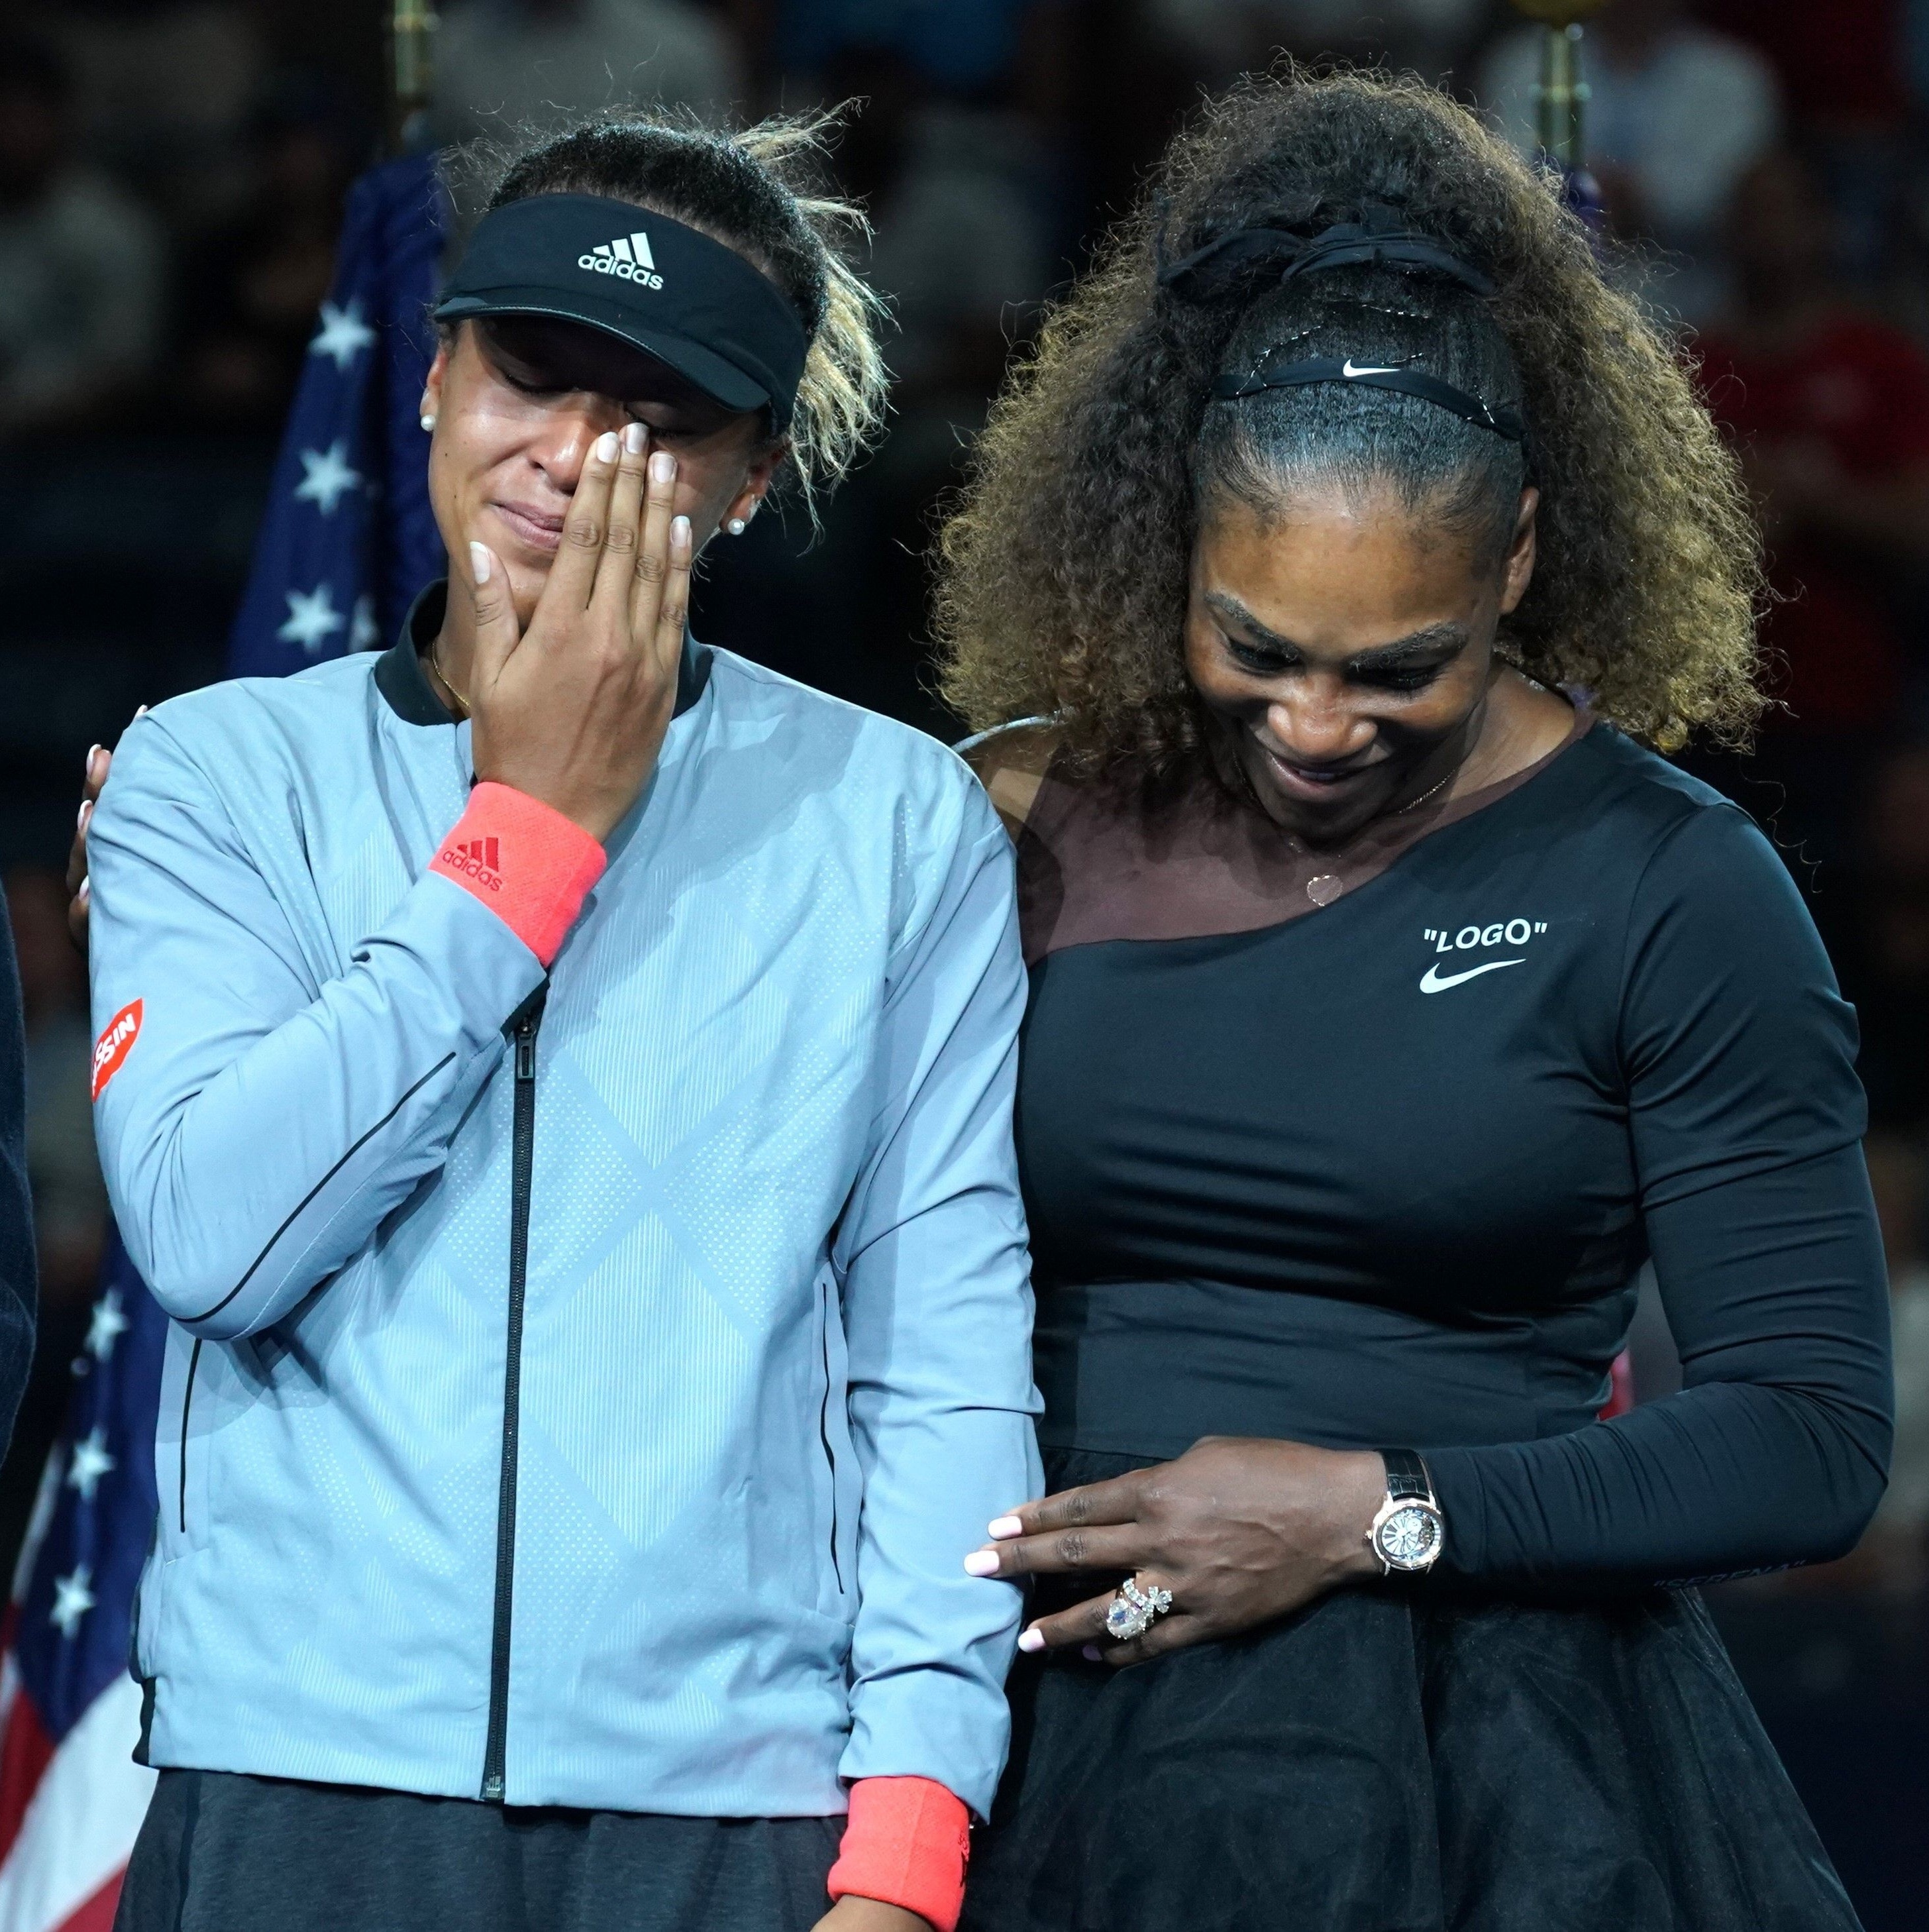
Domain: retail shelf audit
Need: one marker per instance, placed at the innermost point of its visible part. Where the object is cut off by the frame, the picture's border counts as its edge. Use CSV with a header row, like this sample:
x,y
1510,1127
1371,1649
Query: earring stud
x,y
736,526
428,424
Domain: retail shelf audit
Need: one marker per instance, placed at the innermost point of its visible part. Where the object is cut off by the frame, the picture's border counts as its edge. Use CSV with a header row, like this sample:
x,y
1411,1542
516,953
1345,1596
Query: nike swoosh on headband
x,y
1270,372
1432,981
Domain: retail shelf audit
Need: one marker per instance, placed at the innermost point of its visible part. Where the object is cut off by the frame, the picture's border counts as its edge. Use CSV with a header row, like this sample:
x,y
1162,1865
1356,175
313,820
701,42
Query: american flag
x,y
346,542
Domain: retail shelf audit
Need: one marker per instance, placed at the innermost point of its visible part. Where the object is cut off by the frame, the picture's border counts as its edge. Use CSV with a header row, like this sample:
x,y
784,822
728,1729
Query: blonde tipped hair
x,y
841,399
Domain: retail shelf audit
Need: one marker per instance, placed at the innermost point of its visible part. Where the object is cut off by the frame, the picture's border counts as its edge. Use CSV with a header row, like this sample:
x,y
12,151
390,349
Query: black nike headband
x,y
662,287
1231,264
1272,373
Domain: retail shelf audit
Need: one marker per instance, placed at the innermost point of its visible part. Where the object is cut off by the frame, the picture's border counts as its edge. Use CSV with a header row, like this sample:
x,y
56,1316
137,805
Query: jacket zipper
x,y
187,1404
523,1145
824,1435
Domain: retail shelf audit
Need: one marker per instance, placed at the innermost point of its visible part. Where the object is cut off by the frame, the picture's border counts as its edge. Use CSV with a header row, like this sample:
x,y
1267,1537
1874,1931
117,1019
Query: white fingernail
x,y
662,466
680,531
982,1563
606,446
1031,1640
86,891
142,712
1004,1525
633,438
87,805
94,751
478,562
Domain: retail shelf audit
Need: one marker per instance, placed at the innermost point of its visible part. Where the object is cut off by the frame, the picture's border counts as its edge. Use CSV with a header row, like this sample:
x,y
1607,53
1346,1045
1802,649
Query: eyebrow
x,y
1446,636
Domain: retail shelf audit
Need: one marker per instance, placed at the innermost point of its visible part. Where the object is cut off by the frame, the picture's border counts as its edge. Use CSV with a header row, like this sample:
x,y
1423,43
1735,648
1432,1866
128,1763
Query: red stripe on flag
x,y
97,1914
25,1751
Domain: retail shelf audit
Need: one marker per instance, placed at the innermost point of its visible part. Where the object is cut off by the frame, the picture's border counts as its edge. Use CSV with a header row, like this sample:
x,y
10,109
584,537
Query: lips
x,y
535,530
1315,784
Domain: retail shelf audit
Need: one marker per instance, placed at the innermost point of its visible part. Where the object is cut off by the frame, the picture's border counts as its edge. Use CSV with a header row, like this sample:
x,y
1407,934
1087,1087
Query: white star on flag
x,y
108,1322
91,1462
325,476
312,618
362,633
343,335
72,1600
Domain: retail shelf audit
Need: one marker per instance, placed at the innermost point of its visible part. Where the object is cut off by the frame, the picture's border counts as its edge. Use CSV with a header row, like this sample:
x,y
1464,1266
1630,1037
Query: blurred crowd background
x,y
171,179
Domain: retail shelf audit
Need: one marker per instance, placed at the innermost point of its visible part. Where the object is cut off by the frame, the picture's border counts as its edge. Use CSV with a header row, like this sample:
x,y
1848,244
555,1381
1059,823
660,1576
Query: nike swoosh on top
x,y
1433,983
1349,368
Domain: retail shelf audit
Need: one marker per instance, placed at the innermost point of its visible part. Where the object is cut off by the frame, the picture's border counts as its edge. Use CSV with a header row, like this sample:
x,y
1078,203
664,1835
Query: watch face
x,y
1409,1539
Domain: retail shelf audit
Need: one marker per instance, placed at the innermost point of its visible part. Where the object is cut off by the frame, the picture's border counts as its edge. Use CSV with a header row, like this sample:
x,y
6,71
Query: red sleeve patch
x,y
114,1044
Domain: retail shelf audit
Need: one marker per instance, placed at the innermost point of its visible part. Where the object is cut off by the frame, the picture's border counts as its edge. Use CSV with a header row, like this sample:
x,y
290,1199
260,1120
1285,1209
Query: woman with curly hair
x,y
1345,557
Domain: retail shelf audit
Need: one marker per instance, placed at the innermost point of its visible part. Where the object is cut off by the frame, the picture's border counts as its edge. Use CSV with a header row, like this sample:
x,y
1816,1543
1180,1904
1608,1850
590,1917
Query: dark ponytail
x,y
1273,444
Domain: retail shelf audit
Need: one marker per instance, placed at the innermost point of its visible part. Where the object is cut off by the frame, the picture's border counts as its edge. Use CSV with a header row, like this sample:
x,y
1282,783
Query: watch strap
x,y
1406,1475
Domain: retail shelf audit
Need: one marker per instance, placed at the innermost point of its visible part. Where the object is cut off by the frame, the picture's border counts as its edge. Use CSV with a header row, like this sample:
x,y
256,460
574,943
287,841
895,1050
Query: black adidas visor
x,y
677,295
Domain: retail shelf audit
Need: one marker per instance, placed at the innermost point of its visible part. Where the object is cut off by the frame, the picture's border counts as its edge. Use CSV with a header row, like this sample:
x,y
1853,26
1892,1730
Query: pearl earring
x,y
428,424
737,526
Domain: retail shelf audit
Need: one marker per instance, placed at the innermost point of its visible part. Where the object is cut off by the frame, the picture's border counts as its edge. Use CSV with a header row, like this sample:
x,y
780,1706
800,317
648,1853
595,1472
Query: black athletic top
x,y
1368,1153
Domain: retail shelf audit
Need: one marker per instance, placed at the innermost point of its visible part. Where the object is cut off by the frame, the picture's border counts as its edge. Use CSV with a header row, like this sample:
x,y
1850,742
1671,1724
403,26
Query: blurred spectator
x,y
959,251
1841,69
162,89
249,287
1896,1547
1221,39
70,1205
505,64
16,1233
967,49
1846,87
70,1201
1882,952
80,264
1830,407
958,247
958,195
1675,114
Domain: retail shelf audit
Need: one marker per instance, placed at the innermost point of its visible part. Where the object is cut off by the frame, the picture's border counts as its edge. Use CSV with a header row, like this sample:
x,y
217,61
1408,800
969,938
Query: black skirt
x,y
223,1852
1392,1760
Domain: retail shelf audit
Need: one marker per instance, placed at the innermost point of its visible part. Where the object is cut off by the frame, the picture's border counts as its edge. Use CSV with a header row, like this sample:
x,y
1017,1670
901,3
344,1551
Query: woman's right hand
x,y
99,761
573,710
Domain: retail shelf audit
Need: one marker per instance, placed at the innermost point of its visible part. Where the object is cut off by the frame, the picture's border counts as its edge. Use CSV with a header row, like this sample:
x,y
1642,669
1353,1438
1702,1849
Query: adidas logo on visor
x,y
628,257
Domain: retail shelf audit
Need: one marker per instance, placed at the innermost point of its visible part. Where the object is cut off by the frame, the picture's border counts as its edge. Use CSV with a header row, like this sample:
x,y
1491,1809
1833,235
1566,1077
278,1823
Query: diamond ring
x,y
1133,1610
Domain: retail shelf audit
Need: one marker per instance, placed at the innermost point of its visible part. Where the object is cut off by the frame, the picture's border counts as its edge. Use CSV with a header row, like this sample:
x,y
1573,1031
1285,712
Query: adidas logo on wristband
x,y
477,859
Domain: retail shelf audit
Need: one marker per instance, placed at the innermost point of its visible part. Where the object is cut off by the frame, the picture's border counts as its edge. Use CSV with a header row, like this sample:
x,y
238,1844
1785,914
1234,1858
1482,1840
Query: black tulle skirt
x,y
1392,1760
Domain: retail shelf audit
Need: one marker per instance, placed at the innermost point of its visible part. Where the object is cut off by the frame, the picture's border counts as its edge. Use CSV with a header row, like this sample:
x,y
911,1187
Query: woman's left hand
x,y
1241,1529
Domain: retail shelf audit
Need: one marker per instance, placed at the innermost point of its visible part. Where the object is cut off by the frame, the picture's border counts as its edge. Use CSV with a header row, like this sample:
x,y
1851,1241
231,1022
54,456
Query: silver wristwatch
x,y
1409,1532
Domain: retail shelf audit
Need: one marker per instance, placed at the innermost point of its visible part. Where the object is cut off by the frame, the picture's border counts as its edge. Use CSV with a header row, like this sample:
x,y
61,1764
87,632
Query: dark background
x,y
171,176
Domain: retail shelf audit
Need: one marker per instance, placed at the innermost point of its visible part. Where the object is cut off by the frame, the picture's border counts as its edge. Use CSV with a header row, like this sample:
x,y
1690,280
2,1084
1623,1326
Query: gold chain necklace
x,y
449,683
1414,804
1323,888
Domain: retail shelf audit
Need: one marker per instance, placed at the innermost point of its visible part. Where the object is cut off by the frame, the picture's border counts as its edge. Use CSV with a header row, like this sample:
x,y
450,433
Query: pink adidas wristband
x,y
528,864
905,1844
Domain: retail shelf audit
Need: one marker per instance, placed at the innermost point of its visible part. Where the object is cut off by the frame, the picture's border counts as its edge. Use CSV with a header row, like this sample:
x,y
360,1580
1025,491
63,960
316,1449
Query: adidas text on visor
x,y
671,292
